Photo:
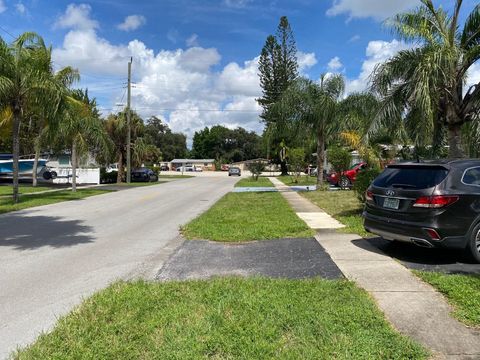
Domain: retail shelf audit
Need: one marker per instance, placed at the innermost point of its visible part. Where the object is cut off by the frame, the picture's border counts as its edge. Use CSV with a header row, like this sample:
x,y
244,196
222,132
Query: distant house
x,y
243,165
204,164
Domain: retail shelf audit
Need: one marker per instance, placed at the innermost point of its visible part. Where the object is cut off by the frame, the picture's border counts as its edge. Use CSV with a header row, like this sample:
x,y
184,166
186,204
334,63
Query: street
x,y
53,256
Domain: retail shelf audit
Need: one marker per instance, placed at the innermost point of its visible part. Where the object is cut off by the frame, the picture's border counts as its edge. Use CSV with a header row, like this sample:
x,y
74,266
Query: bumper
x,y
410,232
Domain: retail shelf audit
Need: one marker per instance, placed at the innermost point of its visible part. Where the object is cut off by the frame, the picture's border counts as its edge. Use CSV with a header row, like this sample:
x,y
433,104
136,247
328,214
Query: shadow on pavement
x,y
415,257
33,232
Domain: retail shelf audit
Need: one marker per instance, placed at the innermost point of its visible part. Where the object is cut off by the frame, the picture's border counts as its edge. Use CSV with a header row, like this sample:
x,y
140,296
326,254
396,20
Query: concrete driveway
x,y
53,256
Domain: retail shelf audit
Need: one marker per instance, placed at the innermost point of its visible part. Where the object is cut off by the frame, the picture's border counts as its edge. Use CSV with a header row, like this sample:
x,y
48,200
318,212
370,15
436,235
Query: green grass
x,y
6,204
302,180
249,182
343,205
6,190
462,291
228,318
248,216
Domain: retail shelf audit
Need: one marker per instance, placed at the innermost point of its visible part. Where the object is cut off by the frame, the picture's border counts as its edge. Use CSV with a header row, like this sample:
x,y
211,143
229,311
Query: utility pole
x,y
129,130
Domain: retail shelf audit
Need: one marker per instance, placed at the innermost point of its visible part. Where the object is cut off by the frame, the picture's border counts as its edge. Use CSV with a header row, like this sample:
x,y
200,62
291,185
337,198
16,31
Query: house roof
x,y
192,161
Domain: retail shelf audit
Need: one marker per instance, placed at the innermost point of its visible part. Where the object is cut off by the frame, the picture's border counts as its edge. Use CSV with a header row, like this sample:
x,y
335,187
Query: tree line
x,y
416,102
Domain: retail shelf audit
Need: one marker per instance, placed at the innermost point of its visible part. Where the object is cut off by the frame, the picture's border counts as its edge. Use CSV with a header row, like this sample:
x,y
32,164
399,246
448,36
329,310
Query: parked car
x,y
430,204
143,175
224,167
188,168
346,178
164,168
234,171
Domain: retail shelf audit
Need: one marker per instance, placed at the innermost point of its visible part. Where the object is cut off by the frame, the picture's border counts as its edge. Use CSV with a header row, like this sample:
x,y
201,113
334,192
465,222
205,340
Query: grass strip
x,y
250,182
6,190
175,176
303,180
7,205
343,205
462,291
248,216
226,318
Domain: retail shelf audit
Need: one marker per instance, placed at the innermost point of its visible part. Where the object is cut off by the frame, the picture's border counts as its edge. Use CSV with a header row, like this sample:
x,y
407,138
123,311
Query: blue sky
x,y
195,61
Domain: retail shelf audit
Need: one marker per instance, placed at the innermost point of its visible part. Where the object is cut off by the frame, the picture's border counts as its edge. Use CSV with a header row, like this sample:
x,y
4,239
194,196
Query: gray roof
x,y
192,161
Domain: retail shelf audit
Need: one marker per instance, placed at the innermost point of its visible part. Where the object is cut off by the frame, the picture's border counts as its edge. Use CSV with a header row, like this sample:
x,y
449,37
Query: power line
x,y
200,110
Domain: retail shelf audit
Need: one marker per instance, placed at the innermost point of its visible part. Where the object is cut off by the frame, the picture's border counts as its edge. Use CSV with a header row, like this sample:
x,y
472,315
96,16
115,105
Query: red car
x,y
347,177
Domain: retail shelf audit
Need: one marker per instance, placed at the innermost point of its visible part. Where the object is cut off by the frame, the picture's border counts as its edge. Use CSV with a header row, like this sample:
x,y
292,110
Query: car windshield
x,y
353,166
411,177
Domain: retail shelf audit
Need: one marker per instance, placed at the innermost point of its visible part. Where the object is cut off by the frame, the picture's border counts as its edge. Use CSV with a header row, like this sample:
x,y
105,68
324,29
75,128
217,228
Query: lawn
x,y
248,216
302,180
226,318
6,204
343,205
6,190
250,182
462,291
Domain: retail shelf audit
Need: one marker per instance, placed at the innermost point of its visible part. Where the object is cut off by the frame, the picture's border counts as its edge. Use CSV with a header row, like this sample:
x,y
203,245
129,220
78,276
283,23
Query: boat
x,y
25,166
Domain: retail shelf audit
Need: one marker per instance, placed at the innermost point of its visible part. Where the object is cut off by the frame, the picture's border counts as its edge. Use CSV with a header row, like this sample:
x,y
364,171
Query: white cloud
x,y
473,75
2,6
21,9
354,38
173,35
305,60
237,4
377,9
76,17
192,40
132,22
182,86
377,51
335,64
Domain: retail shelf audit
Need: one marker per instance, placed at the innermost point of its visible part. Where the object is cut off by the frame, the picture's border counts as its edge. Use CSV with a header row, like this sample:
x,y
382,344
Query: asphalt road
x,y
280,258
53,256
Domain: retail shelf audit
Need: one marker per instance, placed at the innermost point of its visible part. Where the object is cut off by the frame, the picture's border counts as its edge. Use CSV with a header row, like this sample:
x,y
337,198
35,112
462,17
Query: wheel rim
x,y
477,241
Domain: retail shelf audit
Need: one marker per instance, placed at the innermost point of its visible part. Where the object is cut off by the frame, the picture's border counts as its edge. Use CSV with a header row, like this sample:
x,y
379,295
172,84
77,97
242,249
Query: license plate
x,y
391,203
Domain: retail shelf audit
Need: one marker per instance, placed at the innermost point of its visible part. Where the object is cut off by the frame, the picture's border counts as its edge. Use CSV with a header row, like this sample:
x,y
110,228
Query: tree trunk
x,y
74,167
17,117
120,168
455,141
320,157
284,168
35,163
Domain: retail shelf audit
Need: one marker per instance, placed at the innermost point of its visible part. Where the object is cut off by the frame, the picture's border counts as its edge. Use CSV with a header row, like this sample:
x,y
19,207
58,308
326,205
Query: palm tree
x,y
116,128
427,82
50,113
82,130
315,107
24,81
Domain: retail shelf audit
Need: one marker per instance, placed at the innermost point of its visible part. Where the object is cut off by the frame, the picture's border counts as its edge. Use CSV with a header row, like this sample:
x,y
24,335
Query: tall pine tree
x,y
278,69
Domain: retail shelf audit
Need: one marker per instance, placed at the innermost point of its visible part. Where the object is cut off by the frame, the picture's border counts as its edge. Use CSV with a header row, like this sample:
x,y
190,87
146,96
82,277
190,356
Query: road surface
x,y
53,256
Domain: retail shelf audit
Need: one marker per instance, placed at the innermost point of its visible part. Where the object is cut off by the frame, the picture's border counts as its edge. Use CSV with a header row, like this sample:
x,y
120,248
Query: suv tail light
x,y
369,195
435,202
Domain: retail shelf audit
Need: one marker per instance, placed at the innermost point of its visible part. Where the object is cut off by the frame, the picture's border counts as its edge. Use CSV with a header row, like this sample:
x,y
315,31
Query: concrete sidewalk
x,y
413,307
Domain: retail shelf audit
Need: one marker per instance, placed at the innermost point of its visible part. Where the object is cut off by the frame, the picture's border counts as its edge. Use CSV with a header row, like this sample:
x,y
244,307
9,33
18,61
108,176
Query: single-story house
x,y
243,165
204,164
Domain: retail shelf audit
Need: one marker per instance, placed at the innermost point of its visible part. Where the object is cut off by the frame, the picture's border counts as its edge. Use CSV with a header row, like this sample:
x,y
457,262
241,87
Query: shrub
x,y
296,159
256,168
340,158
363,181
108,178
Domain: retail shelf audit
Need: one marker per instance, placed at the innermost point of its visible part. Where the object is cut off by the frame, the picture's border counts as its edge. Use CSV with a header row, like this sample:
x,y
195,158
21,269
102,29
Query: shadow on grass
x,y
415,257
33,232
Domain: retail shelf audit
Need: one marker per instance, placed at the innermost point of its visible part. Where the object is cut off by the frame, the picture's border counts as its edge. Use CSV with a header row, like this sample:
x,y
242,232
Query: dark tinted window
x,y
411,177
472,176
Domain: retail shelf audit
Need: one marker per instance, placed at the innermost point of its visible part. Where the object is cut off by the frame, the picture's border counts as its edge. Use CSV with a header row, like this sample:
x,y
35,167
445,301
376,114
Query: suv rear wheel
x,y
473,247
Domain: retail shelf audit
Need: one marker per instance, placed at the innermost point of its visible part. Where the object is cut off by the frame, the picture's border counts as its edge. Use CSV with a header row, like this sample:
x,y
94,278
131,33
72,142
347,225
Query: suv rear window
x,y
472,176
411,177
